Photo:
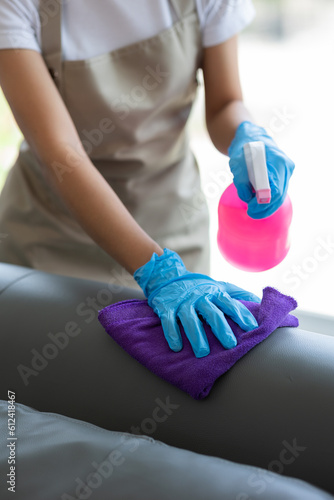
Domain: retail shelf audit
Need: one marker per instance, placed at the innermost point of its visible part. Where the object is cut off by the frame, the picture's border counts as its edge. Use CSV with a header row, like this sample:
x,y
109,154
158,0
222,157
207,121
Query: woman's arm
x,y
48,128
225,110
228,120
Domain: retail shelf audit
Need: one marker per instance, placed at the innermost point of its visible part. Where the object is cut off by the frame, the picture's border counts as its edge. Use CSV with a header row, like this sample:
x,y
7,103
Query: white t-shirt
x,y
94,27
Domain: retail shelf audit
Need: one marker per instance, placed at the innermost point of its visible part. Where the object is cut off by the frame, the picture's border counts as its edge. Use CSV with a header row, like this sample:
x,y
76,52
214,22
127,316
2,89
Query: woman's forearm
x,y
224,106
50,132
97,207
223,124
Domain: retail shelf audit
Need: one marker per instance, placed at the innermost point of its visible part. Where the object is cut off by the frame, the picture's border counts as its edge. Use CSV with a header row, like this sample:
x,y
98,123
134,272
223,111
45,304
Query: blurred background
x,y
287,71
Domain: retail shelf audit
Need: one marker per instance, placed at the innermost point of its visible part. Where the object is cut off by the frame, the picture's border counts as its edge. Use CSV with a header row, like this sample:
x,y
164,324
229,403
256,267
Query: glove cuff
x,y
247,132
158,270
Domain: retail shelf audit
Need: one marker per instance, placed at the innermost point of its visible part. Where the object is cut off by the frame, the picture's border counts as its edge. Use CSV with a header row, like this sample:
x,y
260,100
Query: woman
x,y
105,171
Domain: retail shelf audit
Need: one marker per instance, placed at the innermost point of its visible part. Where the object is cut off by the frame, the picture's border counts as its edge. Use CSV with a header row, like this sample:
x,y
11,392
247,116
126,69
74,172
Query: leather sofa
x,y
267,420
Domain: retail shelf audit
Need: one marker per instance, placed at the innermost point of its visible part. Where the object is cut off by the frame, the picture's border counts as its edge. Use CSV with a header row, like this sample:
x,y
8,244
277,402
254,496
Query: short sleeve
x,y
19,24
222,19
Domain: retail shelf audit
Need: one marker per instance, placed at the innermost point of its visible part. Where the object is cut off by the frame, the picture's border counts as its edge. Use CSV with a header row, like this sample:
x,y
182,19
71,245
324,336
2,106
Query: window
x,y
287,71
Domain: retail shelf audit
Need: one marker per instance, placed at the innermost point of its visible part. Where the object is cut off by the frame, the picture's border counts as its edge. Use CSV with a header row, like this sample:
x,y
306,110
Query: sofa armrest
x,y
273,409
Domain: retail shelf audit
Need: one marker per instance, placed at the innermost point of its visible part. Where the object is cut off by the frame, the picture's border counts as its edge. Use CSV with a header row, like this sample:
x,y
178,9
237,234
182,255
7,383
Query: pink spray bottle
x,y
253,244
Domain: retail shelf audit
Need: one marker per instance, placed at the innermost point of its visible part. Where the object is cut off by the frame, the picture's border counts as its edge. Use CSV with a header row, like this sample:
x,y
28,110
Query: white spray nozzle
x,y
255,156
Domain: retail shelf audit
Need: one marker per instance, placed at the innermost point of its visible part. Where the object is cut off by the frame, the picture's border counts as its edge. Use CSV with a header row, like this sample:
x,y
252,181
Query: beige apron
x,y
130,108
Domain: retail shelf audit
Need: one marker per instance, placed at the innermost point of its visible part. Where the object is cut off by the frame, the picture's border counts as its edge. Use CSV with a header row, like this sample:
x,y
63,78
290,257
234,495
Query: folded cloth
x,y
137,329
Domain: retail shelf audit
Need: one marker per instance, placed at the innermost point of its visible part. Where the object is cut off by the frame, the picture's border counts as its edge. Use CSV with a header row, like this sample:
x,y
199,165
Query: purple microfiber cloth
x,y
137,329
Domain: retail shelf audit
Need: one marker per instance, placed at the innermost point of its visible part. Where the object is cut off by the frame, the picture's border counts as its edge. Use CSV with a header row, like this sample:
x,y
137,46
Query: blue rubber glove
x,y
280,169
175,293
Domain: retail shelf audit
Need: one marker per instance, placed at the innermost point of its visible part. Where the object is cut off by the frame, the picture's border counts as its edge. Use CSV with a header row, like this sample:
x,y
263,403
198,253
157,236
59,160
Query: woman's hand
x,y
280,169
175,293
230,127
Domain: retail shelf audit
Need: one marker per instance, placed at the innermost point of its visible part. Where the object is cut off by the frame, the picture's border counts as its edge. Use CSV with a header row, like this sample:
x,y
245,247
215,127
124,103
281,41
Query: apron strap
x,y
50,17
183,8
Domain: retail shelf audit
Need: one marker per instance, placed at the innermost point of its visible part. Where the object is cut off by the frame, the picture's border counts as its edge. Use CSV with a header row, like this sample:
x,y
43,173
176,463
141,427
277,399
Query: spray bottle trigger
x,y
255,156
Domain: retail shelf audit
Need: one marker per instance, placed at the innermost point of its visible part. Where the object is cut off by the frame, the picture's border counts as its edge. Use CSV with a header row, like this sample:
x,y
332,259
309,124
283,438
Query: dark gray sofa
x,y
274,410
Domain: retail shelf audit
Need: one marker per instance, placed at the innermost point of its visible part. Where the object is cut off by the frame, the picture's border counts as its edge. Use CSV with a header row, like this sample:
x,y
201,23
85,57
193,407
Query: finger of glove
x,y
236,311
245,191
278,194
240,178
280,169
217,322
262,211
194,330
172,332
239,293
279,161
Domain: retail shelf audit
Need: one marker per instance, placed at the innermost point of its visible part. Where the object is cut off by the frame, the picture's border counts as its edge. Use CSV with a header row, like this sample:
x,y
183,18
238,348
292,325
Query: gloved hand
x,y
280,169
175,293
